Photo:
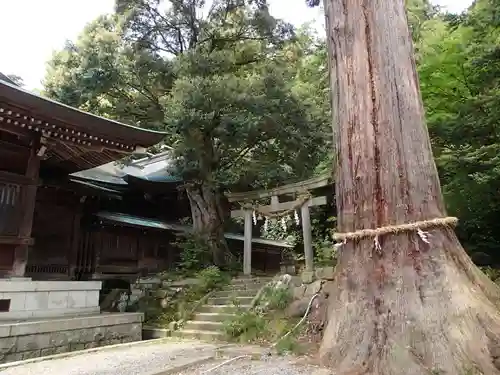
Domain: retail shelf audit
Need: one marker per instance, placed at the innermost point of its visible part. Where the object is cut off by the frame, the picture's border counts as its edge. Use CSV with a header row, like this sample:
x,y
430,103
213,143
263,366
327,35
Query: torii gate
x,y
275,208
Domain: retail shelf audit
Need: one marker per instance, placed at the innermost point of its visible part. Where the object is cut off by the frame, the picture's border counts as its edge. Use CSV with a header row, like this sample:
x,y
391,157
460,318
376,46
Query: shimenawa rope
x,y
417,226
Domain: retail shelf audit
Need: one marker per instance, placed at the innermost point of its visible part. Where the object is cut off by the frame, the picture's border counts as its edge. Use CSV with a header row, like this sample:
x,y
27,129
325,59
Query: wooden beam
x,y
15,178
316,201
11,240
311,184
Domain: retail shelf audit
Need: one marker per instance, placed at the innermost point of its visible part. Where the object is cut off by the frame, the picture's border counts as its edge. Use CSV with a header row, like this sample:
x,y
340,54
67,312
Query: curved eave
x,y
84,121
151,186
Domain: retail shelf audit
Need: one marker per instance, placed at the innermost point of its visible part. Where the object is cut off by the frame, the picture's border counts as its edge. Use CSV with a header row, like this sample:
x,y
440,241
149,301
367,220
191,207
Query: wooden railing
x,y
11,208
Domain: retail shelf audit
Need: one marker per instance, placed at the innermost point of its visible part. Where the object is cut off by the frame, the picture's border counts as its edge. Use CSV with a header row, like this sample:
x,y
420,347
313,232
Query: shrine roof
x,y
75,139
159,224
148,174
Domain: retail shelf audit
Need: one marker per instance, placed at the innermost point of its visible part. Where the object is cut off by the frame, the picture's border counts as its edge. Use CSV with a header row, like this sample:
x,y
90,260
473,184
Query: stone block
x,y
91,345
185,282
325,273
75,347
4,331
17,300
58,300
150,333
62,349
307,277
8,344
298,291
48,351
84,335
313,288
77,298
33,342
37,301
61,313
92,298
12,357
65,337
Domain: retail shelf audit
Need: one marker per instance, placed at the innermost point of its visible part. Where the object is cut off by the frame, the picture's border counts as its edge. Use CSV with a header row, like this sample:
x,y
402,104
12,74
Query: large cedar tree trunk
x,y
412,308
208,220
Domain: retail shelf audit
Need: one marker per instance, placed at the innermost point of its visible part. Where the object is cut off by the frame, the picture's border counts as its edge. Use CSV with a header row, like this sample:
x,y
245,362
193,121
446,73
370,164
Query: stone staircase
x,y
208,321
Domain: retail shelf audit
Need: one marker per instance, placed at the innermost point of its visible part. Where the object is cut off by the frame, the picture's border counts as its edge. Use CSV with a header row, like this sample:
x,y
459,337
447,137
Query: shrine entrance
x,y
251,210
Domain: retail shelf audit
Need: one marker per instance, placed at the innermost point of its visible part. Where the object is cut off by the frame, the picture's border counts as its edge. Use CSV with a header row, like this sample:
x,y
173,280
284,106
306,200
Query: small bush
x,y
195,253
289,345
245,326
212,278
275,298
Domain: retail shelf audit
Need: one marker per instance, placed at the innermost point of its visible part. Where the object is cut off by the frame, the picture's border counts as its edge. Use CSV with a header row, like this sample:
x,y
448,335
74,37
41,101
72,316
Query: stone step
x,y
212,317
220,308
229,300
238,293
239,287
245,281
197,325
198,334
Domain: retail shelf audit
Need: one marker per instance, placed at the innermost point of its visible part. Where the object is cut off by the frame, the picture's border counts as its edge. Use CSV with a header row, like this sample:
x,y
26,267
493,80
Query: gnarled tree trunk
x,y
412,307
208,220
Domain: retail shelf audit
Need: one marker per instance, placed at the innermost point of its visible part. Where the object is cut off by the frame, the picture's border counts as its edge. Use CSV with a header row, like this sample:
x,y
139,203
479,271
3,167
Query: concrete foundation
x,y
41,337
47,299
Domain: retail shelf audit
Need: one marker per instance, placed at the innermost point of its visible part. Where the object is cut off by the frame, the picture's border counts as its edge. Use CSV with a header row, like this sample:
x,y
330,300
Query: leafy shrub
x,y
212,278
245,326
276,298
288,345
324,252
195,253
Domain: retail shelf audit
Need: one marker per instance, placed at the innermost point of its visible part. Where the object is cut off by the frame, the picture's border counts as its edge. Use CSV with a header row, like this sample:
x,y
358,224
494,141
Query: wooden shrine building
x,y
131,218
41,143
68,211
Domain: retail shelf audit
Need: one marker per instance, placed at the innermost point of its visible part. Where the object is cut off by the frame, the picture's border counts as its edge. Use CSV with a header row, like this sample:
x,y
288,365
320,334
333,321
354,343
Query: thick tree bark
x,y
411,308
208,220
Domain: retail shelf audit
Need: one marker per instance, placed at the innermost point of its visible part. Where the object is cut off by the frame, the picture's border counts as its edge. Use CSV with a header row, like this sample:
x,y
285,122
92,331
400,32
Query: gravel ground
x,y
264,366
133,360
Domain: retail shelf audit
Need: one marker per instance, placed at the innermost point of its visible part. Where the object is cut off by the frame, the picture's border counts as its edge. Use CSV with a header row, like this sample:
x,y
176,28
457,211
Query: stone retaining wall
x,y
38,338
46,299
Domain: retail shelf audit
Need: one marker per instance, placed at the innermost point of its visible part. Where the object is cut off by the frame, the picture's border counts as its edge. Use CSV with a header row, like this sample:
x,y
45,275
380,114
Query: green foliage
x,y
181,304
195,254
459,73
212,278
242,97
235,88
246,326
276,298
251,326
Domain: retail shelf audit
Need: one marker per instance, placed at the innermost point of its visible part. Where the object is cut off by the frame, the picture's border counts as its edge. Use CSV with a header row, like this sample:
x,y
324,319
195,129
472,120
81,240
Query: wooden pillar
x,y
247,244
307,236
28,210
75,242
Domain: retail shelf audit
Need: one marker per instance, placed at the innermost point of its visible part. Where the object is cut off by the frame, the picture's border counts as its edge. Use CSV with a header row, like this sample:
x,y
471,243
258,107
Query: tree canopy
x,y
235,89
242,95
